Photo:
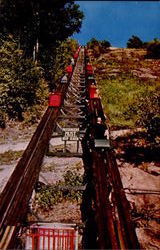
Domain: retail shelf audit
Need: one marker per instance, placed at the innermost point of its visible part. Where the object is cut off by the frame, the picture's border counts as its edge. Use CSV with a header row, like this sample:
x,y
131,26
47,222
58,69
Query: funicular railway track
x,y
113,225
16,195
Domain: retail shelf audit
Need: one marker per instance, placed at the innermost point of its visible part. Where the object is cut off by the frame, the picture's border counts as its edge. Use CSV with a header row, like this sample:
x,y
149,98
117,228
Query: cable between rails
x,y
142,191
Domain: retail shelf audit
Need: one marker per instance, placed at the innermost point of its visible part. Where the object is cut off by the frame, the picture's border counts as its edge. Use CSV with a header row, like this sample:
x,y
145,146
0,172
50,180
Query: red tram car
x,y
54,99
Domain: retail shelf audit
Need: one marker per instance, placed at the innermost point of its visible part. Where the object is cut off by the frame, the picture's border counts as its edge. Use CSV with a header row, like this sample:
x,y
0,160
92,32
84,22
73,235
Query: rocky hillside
x,y
132,61
126,79
129,85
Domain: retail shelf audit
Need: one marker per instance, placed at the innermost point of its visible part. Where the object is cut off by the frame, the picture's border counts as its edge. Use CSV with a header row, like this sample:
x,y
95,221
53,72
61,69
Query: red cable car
x,y
54,99
93,92
75,56
89,67
69,70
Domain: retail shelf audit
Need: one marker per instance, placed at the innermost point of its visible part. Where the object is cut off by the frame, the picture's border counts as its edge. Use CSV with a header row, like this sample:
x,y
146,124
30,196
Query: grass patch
x,y
48,168
78,166
9,156
50,195
130,98
122,96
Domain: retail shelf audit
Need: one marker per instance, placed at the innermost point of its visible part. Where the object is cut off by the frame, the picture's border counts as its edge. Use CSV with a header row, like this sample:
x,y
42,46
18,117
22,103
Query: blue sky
x,y
117,21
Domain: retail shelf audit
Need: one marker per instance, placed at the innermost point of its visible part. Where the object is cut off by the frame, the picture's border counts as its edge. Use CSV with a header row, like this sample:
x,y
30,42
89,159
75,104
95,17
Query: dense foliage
x,y
131,102
34,51
135,42
44,21
63,55
21,83
153,49
23,89
98,47
148,112
50,195
39,26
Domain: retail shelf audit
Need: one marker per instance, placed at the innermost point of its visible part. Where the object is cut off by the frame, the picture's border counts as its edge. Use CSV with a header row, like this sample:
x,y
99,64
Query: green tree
x,y
64,53
98,47
44,21
148,113
22,87
40,24
153,49
104,45
134,42
92,43
95,46
19,81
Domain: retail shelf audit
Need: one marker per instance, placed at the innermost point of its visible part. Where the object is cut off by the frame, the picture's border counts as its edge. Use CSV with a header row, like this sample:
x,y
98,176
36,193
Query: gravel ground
x,y
5,173
54,168
52,171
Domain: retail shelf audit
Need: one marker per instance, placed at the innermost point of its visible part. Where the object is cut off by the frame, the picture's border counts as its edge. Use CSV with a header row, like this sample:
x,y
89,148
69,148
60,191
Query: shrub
x,y
134,42
50,195
98,47
149,114
131,102
153,49
20,81
104,46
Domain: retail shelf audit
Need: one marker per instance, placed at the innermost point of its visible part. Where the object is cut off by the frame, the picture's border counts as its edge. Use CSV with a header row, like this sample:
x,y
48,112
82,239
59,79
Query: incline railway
x,y
105,209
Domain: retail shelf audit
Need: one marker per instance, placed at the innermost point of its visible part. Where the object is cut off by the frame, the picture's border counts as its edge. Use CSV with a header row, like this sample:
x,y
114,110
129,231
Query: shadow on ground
x,y
136,149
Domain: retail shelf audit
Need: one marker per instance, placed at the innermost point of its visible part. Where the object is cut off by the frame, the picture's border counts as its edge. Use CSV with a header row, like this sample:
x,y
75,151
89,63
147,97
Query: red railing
x,y
47,238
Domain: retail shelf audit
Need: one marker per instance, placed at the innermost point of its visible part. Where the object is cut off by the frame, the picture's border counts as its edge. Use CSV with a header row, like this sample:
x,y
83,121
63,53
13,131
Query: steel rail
x,y
14,205
115,229
122,203
105,221
9,192
15,197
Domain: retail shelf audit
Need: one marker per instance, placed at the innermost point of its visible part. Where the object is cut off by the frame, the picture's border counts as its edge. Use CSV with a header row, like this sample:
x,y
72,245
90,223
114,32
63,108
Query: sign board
x,y
70,134
102,143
